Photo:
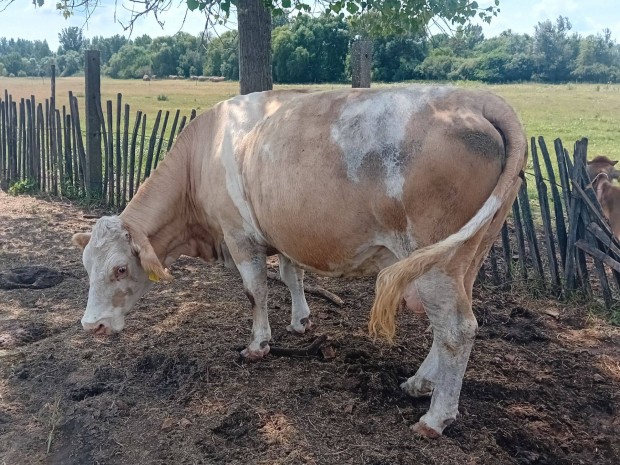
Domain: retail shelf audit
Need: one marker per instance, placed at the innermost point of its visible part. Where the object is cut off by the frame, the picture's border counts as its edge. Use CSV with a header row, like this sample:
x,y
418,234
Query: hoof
x,y
419,389
424,430
253,355
304,325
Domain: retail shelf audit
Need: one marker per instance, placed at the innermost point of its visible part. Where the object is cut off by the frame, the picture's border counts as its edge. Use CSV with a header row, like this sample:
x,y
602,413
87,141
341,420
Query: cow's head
x,y
120,270
602,164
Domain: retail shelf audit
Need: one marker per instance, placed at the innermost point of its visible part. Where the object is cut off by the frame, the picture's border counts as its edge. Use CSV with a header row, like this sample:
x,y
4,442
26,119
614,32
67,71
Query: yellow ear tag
x,y
153,277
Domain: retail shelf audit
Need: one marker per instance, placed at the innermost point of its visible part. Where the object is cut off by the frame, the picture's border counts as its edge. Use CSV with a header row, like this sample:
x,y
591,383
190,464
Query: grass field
x,y
567,111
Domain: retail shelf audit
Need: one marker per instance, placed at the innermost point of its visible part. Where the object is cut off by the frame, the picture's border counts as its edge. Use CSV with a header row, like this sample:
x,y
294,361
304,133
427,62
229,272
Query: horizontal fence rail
x,y
557,242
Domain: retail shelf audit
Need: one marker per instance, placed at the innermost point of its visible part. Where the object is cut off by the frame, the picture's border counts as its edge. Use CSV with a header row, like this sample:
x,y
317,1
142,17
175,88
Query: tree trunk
x,y
254,22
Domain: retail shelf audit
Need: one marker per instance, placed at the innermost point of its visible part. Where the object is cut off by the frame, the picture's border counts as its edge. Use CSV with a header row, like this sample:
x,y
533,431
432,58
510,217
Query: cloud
x,y
551,9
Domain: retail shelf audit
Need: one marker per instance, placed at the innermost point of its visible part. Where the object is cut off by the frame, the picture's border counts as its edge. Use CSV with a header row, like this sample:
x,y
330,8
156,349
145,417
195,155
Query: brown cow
x,y
602,164
608,196
343,183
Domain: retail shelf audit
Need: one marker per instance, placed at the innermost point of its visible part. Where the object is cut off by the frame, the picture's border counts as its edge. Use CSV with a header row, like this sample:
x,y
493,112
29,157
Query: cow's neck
x,y
162,210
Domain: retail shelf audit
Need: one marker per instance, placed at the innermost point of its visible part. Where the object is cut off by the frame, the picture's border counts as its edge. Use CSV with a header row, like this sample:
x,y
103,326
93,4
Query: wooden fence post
x,y
530,231
361,63
109,142
557,200
545,213
143,135
93,171
161,139
132,153
516,215
2,145
119,164
52,129
152,141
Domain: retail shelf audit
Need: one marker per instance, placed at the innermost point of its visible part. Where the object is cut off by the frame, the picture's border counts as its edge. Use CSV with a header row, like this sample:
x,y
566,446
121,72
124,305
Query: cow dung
x,y
30,277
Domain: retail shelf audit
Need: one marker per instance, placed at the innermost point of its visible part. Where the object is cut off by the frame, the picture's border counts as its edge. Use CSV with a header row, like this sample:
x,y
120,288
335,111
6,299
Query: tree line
x,y
317,50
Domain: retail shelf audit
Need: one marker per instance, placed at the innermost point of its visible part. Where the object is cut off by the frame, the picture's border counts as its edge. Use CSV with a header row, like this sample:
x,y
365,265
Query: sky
x,y
22,20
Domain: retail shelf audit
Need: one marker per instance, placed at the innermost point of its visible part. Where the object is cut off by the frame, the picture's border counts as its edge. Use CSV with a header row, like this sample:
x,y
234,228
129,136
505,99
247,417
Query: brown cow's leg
x,y
293,277
454,329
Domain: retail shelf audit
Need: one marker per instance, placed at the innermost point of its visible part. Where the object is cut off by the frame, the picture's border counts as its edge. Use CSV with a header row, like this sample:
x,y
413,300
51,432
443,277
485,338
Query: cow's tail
x,y
392,281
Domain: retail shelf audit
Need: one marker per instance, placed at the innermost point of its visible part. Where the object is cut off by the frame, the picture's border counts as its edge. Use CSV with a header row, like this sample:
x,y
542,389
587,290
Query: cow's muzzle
x,y
102,326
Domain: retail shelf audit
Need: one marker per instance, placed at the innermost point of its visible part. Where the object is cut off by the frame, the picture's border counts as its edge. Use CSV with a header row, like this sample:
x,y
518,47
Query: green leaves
x,y
371,17
352,7
193,4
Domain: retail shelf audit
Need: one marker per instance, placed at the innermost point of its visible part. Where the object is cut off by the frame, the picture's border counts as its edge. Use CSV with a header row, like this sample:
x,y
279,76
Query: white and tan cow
x,y
342,183
608,196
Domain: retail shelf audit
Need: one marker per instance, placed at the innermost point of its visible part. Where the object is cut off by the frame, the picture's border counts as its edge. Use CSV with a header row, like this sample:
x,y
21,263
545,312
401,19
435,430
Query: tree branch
x,y
308,351
316,290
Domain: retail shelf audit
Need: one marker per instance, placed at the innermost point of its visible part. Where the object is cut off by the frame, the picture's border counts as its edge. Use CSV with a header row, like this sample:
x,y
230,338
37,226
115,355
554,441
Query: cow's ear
x,y
150,263
613,162
81,240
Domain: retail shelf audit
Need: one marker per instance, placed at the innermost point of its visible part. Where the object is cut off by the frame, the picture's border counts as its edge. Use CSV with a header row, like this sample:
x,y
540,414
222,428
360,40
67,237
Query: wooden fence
x,y
558,242
42,146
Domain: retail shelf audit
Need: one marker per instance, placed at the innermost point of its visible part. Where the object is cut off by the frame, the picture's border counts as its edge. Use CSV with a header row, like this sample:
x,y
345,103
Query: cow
x,y
602,164
342,183
608,196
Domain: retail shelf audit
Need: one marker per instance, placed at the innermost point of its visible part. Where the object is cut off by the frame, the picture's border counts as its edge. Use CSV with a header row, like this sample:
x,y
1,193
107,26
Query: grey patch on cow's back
x,y
385,165
481,143
374,125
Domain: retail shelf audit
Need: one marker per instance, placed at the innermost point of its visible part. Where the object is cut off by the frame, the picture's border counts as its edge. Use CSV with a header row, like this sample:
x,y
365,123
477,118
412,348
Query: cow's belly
x,y
368,261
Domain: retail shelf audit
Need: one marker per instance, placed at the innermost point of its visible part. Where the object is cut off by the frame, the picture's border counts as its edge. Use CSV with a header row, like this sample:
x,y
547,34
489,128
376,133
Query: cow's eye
x,y
120,272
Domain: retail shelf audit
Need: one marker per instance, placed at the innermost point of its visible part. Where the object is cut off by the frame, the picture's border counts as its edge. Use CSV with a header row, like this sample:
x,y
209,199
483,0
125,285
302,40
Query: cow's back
x,y
340,178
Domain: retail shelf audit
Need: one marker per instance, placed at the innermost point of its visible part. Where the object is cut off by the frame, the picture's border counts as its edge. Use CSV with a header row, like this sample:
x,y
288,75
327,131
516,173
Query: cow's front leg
x,y
293,277
253,270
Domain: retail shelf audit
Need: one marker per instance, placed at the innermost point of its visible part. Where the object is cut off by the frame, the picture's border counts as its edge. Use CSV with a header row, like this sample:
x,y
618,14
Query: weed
x,y
25,186
70,190
51,416
162,98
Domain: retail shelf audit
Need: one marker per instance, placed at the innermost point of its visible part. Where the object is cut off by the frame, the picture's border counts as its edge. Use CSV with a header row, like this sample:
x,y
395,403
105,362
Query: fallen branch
x,y
316,290
308,351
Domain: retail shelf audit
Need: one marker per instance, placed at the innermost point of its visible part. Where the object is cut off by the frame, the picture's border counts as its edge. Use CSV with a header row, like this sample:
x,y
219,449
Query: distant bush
x,y
21,73
25,186
162,97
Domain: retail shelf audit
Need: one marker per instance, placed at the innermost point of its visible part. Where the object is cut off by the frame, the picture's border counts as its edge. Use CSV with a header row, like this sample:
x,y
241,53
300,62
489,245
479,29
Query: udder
x,y
412,299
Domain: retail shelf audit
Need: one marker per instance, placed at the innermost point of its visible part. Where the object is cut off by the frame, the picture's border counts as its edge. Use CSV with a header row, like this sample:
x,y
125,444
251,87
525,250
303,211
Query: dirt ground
x,y
542,385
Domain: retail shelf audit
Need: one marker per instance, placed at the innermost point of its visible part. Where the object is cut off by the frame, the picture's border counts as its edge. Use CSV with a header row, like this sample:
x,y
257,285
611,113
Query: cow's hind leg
x,y
293,277
454,329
